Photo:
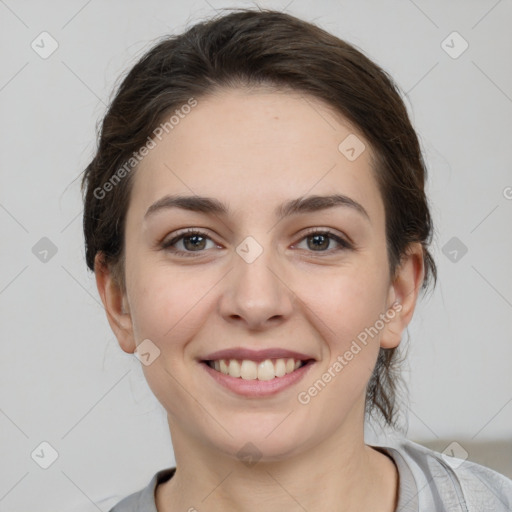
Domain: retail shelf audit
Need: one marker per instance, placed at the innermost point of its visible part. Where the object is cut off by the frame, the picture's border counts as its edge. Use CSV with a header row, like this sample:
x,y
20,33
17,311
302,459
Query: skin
x,y
253,151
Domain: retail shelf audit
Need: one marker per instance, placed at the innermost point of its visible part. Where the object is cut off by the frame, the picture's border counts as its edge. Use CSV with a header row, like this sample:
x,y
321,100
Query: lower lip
x,y
255,387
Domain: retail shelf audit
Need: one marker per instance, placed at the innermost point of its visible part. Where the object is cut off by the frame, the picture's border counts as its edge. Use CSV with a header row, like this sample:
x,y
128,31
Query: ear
x,y
115,303
403,294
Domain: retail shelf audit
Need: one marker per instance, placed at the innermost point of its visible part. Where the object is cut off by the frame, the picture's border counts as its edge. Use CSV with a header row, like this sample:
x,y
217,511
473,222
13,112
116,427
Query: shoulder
x,y
452,479
144,500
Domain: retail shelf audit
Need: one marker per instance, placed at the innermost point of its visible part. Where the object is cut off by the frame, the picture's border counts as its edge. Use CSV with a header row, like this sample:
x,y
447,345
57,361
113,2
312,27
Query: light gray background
x,y
63,378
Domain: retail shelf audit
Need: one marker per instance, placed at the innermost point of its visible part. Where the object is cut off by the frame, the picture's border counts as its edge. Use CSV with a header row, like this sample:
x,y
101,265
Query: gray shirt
x,y
428,481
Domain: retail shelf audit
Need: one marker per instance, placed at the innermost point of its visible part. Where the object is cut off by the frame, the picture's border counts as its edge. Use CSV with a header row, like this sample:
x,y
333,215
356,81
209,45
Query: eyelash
x,y
166,245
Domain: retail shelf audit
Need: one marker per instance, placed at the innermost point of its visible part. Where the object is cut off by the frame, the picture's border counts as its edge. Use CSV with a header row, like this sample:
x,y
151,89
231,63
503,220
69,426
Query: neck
x,y
341,474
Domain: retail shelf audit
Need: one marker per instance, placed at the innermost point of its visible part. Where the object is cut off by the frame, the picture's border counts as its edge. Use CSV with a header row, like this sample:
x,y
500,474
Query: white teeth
x,y
251,370
248,370
280,367
224,367
234,368
266,370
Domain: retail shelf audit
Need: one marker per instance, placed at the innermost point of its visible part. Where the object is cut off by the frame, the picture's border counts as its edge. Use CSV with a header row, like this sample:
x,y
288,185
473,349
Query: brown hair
x,y
262,47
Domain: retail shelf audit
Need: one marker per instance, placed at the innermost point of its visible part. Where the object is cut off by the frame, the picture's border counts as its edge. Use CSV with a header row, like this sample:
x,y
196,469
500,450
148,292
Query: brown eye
x,y
192,242
321,241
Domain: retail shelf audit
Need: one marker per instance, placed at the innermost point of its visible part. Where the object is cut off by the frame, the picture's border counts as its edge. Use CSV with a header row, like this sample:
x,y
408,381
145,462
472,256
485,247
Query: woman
x,y
256,219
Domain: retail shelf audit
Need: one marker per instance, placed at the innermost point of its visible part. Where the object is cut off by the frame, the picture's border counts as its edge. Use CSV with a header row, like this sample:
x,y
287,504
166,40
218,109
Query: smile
x,y
247,369
257,379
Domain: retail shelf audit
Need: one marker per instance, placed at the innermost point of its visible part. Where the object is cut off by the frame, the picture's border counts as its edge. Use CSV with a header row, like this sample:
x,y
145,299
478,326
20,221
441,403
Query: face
x,y
255,282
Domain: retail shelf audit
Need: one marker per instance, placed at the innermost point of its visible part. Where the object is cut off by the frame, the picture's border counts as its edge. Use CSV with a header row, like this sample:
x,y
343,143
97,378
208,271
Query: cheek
x,y
344,307
169,309
166,306
345,315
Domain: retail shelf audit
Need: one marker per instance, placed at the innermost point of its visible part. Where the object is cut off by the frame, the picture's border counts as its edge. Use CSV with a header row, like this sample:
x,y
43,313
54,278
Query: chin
x,y
263,437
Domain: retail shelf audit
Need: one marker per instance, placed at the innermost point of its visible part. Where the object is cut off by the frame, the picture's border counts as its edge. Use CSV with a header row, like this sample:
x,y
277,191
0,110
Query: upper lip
x,y
256,355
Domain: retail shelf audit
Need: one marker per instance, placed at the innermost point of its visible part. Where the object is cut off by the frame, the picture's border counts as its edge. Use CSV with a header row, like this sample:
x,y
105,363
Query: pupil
x,y
317,237
194,245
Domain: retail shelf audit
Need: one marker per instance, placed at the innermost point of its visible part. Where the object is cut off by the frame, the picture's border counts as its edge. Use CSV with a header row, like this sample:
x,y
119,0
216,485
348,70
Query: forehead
x,y
255,149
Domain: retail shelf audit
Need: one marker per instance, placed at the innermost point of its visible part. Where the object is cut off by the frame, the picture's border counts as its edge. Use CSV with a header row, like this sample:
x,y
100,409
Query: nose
x,y
256,293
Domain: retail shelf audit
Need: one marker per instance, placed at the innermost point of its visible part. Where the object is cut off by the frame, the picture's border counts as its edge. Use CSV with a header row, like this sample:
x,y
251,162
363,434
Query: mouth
x,y
261,370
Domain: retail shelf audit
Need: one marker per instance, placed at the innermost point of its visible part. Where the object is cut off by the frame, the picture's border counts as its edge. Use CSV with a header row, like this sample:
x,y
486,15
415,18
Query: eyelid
x,y
343,241
180,234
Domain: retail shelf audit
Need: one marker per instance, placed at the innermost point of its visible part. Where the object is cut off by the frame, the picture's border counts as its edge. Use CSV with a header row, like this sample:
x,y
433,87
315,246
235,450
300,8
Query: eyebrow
x,y
209,205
